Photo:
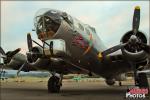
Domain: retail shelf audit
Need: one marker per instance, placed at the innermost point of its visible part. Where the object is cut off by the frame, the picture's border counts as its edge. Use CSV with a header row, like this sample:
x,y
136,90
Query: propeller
x,y
112,49
51,47
29,42
133,41
144,71
136,20
19,70
2,51
30,55
8,56
145,47
30,46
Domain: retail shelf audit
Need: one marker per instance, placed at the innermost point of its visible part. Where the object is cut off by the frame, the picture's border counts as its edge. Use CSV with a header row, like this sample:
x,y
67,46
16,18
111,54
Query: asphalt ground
x,y
71,90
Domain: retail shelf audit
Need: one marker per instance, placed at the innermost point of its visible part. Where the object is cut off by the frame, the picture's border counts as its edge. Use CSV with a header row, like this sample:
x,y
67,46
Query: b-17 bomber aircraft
x,y
70,46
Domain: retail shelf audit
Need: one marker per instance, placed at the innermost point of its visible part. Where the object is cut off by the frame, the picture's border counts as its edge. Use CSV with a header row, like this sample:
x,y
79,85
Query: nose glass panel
x,y
47,24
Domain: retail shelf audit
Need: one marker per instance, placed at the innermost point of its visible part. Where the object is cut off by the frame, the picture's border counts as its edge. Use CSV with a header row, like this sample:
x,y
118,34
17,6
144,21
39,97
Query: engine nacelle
x,y
35,53
134,53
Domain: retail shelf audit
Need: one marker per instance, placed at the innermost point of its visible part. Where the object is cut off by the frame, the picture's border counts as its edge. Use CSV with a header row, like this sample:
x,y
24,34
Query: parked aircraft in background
x,y
69,46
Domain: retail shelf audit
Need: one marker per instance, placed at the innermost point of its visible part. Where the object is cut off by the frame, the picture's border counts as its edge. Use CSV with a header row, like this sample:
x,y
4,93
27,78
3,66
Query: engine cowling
x,y
36,52
134,52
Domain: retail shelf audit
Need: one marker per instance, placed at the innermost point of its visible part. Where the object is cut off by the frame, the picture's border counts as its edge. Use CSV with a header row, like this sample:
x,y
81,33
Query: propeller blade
x,y
144,71
136,20
146,47
3,56
12,53
2,51
19,70
29,42
112,49
1,67
51,47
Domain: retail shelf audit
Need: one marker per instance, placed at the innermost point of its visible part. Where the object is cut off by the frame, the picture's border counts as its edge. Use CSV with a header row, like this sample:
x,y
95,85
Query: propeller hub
x,y
133,39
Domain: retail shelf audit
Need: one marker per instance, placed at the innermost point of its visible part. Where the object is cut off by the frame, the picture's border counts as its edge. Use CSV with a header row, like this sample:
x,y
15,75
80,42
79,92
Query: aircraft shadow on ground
x,y
103,91
73,92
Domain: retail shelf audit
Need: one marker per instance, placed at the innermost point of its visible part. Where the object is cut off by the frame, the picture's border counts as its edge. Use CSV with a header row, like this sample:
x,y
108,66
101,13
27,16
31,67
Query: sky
x,y
111,19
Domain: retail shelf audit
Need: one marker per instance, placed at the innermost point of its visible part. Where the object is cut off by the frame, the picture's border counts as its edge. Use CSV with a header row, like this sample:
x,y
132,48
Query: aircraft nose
x,y
47,25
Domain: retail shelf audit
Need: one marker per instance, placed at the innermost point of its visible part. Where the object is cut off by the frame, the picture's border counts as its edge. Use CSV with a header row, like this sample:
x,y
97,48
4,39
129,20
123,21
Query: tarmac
x,y
71,90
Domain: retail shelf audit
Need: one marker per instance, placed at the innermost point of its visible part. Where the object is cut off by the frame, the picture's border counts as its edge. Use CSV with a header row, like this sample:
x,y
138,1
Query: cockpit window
x,y
93,29
53,14
47,24
87,31
67,18
81,27
70,19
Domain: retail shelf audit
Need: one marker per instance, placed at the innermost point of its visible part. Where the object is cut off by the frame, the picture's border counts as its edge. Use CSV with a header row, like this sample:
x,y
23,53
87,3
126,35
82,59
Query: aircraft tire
x,y
53,85
142,80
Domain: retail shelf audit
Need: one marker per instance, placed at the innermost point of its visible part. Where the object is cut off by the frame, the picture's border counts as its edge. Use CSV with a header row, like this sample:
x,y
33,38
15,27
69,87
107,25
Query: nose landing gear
x,y
54,83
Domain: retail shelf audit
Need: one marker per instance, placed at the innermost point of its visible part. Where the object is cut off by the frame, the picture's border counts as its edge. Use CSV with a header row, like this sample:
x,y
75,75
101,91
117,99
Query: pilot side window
x,y
80,26
87,31
76,24
67,18
93,29
70,19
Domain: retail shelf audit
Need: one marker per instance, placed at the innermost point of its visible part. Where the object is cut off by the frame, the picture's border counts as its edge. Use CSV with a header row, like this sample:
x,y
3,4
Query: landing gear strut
x,y
120,83
54,84
140,78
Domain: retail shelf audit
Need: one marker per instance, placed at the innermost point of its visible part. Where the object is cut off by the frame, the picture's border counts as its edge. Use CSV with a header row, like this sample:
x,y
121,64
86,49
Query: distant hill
x,y
12,73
